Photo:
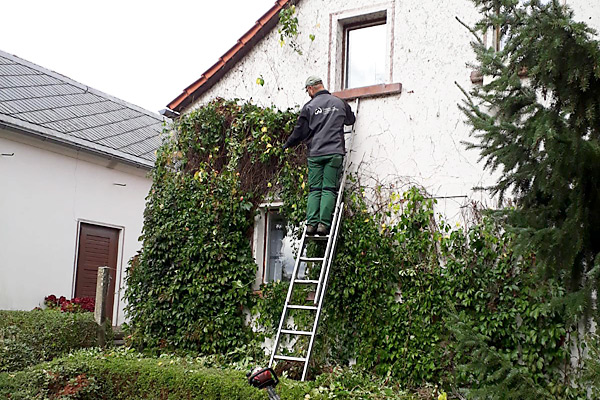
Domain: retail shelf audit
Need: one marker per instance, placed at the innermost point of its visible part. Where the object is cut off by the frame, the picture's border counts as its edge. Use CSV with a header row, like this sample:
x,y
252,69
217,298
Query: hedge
x,y
122,375
29,337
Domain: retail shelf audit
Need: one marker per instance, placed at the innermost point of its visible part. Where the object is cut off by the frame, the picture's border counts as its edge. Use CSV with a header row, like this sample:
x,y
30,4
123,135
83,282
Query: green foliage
x,y
288,28
400,279
28,337
189,285
267,308
400,282
591,376
511,330
543,135
125,374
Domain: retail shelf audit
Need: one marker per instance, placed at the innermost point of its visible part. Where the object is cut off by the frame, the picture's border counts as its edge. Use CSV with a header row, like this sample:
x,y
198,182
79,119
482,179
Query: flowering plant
x,y
76,304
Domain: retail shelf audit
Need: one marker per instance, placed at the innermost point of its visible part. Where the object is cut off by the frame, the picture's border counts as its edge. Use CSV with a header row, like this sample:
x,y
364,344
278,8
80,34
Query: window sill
x,y
369,91
477,77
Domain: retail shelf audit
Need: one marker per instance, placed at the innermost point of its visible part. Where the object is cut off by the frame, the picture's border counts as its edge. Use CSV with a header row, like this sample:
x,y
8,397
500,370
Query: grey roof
x,y
49,105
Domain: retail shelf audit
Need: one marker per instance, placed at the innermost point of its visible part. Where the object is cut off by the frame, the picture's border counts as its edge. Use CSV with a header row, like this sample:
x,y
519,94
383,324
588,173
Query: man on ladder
x,y
321,124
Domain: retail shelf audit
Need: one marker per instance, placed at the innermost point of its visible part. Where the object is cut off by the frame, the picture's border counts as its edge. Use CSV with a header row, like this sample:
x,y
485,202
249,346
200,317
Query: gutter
x,y
18,126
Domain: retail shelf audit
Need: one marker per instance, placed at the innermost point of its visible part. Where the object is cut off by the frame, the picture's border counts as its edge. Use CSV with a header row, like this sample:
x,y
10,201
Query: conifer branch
x,y
479,40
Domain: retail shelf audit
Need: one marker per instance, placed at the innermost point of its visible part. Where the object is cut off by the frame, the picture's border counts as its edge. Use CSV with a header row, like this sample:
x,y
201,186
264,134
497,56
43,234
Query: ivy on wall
x,y
188,286
401,280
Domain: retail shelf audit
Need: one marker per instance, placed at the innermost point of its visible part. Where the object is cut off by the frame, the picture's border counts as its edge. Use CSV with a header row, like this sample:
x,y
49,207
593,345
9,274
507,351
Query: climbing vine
x,y
288,28
402,279
190,283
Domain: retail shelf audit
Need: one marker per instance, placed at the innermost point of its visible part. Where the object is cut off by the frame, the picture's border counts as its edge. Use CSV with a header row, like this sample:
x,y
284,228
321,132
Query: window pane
x,y
280,257
366,50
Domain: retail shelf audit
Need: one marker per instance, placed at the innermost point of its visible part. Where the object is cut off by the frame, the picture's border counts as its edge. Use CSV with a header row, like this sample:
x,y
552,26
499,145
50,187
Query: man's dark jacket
x,y
321,124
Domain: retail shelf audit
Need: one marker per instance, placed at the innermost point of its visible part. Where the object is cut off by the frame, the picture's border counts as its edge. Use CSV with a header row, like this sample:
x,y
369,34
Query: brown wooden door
x,y
98,247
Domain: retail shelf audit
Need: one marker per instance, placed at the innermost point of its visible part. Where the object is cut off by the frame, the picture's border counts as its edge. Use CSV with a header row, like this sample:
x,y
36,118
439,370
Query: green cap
x,y
312,80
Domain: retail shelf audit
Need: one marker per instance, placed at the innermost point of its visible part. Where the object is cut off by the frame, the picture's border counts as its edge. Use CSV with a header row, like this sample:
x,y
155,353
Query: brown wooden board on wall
x,y
98,247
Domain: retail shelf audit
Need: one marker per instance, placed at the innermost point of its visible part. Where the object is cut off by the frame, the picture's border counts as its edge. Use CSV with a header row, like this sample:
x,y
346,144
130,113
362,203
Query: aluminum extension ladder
x,y
321,283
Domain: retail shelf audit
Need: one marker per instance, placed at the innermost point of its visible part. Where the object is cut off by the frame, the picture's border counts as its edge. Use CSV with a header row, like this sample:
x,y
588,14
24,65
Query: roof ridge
x,y
85,88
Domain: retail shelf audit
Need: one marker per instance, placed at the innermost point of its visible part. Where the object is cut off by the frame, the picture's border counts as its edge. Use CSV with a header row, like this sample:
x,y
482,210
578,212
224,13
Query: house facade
x,y
74,165
403,60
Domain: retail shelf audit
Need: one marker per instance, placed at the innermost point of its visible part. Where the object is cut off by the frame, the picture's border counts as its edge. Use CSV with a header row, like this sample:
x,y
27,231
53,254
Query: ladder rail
x,y
338,202
287,299
326,260
320,306
323,274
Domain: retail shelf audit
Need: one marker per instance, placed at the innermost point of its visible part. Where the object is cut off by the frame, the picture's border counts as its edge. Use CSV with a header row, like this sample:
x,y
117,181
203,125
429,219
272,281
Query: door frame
x,y
119,266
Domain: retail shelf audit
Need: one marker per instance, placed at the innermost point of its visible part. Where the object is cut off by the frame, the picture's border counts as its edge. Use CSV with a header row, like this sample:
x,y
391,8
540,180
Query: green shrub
x,y
27,337
123,375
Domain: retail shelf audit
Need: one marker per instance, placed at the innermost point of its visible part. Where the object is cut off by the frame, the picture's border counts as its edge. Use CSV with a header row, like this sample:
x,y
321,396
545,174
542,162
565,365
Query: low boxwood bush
x,y
29,337
124,374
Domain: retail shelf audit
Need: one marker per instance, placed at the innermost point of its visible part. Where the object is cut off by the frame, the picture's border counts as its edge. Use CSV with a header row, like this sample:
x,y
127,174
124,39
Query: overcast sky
x,y
145,52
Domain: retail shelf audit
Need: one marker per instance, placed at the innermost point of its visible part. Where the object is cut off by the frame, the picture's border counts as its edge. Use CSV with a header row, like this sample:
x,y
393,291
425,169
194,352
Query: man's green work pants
x,y
323,176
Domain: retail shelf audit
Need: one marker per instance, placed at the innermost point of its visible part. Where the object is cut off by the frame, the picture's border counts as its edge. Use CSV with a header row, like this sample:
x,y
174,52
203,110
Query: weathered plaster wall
x,y
587,11
45,190
411,138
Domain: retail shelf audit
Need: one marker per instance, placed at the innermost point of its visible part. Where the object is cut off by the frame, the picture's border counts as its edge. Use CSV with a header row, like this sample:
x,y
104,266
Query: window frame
x,y
363,16
347,28
496,34
261,241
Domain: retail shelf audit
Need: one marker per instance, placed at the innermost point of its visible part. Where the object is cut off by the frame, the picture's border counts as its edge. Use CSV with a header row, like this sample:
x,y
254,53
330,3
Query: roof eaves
x,y
226,62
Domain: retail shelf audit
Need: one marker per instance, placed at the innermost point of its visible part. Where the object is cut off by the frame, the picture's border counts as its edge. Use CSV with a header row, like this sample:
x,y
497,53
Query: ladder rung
x,y
302,307
315,281
291,332
318,237
288,358
309,259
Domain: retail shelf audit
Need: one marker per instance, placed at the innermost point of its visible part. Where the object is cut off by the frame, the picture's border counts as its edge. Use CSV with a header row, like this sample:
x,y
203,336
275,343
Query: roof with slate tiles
x,y
43,103
244,44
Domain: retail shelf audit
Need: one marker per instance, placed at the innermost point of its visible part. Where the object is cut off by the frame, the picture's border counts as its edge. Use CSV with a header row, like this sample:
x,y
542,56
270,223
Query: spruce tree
x,y
536,123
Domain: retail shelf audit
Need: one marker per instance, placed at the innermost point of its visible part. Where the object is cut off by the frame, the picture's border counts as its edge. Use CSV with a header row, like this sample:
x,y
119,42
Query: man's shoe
x,y
322,229
311,229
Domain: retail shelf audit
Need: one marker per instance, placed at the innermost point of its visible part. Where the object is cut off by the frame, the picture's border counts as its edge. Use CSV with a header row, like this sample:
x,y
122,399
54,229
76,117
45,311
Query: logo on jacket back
x,y
325,111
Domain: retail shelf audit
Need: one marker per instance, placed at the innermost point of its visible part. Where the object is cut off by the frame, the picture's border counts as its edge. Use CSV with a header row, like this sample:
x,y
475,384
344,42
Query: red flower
x,y
77,304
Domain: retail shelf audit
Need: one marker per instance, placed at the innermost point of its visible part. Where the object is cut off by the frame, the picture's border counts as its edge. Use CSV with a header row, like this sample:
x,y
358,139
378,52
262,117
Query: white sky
x,y
142,51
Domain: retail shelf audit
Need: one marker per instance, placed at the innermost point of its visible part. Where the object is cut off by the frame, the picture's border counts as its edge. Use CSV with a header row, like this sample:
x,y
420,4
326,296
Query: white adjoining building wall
x,y
46,191
402,139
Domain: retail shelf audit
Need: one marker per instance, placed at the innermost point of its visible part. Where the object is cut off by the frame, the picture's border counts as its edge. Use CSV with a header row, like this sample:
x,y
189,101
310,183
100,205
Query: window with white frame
x,y
274,247
361,47
365,53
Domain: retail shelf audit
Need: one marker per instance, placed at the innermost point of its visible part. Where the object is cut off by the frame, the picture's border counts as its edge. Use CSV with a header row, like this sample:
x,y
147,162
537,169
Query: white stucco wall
x,y
45,191
411,138
587,11
408,138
